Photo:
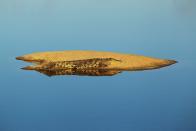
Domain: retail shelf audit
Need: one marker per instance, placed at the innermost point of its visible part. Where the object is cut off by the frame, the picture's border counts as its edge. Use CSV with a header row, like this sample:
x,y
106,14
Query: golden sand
x,y
117,61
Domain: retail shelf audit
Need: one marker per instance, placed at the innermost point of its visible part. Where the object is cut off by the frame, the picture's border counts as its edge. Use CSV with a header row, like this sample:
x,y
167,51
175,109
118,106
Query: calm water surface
x,y
157,100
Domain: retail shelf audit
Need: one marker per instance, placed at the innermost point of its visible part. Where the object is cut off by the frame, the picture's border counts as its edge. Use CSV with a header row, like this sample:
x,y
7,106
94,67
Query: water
x,y
156,100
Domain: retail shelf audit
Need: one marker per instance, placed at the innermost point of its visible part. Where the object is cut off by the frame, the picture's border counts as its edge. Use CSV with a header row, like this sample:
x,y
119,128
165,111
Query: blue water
x,y
156,100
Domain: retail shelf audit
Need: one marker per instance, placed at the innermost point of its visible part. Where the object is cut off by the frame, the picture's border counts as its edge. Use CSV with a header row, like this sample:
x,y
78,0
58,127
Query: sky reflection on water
x,y
157,100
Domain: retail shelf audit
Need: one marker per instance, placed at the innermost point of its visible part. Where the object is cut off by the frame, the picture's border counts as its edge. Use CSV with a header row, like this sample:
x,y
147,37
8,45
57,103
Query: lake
x,y
154,100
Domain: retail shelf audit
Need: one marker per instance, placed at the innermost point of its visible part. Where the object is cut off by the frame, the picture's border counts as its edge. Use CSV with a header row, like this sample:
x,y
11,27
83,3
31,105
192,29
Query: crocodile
x,y
91,60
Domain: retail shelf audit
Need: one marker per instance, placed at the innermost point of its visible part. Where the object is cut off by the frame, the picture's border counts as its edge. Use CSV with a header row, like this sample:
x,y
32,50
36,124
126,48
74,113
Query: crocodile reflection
x,y
90,63
98,72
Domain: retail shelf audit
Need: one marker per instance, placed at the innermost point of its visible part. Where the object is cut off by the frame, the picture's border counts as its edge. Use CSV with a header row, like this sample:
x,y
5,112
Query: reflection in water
x,y
98,72
90,63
